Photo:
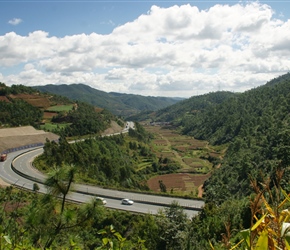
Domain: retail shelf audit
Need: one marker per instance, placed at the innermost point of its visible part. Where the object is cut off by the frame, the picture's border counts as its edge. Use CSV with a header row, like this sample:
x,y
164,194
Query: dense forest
x,y
174,113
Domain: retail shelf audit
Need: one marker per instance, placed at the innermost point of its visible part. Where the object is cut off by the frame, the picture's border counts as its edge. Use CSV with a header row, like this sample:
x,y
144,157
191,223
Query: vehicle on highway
x,y
127,202
3,157
102,200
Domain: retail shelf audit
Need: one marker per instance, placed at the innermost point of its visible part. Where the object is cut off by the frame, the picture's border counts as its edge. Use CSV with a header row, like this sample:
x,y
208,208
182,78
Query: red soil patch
x,y
176,181
99,110
4,99
34,100
181,148
160,142
165,154
49,114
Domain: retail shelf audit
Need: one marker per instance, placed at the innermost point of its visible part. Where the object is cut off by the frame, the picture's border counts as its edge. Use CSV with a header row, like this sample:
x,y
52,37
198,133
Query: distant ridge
x,y
119,104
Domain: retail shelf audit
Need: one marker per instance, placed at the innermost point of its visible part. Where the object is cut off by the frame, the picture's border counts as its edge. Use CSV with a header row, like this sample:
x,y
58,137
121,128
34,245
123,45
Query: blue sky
x,y
61,18
158,48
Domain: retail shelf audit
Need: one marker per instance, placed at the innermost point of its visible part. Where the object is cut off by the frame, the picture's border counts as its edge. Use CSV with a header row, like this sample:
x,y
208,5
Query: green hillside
x,y
184,108
21,106
119,104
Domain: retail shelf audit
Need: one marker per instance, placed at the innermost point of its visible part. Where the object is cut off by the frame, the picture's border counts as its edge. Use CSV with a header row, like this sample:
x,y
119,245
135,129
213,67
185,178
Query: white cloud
x,y
15,21
176,51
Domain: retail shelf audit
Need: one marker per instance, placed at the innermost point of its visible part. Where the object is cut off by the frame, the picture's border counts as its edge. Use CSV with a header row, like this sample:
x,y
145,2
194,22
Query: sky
x,y
149,48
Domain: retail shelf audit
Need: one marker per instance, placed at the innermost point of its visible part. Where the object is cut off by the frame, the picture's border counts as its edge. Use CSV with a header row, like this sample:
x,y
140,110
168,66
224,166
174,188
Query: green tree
x,y
173,226
59,183
162,186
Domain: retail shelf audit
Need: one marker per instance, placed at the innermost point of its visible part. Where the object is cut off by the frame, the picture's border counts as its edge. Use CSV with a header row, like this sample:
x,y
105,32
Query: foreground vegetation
x,y
34,221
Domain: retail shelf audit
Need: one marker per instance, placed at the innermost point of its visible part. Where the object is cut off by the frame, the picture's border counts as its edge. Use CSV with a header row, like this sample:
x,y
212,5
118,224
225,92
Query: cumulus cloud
x,y
175,51
15,21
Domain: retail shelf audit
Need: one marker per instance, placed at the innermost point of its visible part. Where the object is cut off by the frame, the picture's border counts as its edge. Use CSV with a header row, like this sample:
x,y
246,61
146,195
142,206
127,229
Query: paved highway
x,y
24,175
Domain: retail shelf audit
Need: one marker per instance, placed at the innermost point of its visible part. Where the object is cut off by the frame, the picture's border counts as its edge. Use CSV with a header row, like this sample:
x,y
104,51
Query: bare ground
x,y
115,128
21,136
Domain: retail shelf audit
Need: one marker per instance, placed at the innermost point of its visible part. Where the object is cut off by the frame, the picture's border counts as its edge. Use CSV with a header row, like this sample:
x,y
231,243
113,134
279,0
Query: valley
x,y
195,158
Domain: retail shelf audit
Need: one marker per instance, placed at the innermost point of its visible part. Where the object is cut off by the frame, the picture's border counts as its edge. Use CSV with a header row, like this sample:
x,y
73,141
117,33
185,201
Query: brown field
x,y
193,163
4,99
49,115
178,183
160,142
165,154
34,100
98,109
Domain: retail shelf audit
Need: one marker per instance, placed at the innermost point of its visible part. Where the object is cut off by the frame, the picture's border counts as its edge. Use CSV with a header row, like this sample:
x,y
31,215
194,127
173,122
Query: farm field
x,y
59,108
196,159
52,111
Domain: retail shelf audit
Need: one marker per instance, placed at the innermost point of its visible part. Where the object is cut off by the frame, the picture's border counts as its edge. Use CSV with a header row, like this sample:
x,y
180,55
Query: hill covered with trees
x,y
255,125
119,104
184,108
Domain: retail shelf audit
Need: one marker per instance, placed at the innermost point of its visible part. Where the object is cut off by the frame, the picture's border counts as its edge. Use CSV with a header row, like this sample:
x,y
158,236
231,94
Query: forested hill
x,y
192,105
174,113
119,104
245,114
255,126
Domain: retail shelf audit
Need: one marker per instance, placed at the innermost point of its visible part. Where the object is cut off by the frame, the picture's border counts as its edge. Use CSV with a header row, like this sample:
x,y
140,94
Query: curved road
x,y
24,176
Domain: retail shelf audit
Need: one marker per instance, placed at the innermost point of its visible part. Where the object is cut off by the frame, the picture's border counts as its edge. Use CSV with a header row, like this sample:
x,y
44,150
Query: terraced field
x,y
192,156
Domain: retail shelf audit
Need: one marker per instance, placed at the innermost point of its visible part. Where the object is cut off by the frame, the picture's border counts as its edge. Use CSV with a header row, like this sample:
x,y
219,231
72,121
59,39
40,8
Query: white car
x,y
127,202
102,200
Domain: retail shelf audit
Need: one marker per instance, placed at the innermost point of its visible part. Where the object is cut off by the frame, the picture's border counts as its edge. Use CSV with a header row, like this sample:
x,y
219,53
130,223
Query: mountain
x,y
177,111
119,104
242,114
